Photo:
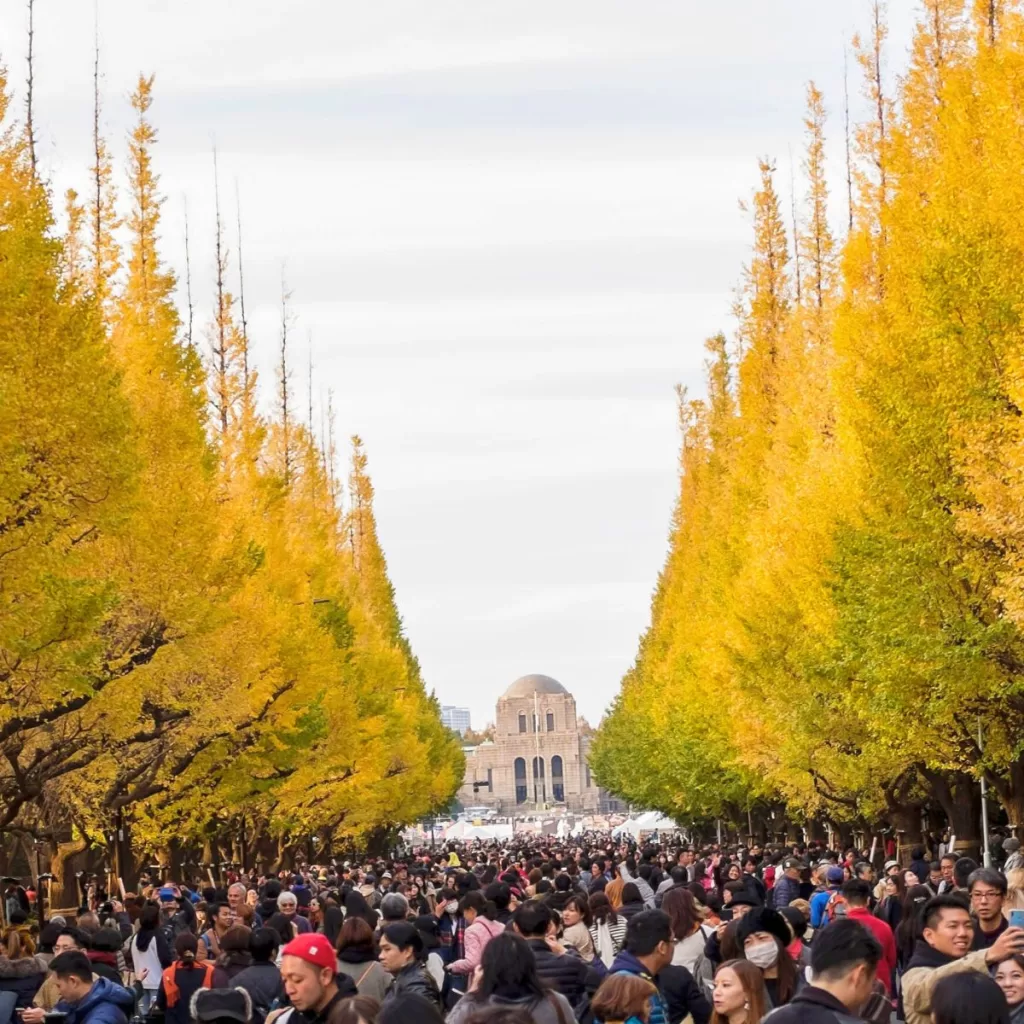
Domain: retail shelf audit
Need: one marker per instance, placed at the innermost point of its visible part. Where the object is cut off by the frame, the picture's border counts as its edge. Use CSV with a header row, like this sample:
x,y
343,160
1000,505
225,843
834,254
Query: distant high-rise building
x,y
455,718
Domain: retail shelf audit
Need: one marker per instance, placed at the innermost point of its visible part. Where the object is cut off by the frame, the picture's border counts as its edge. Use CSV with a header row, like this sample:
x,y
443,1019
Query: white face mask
x,y
763,954
452,907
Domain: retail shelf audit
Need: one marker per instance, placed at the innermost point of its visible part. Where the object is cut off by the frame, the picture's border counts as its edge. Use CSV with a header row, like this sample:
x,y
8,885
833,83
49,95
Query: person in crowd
x,y
86,998
844,967
508,980
284,926
890,906
235,955
688,930
481,927
21,971
288,904
826,900
180,981
562,972
1014,858
105,954
400,948
763,936
220,920
310,978
944,949
632,901
1009,976
787,888
221,1006
331,919
739,995
622,999
986,888
356,906
262,978
857,894
934,881
357,957
365,1010
648,950
576,921
969,999
394,907
151,956
607,929
919,866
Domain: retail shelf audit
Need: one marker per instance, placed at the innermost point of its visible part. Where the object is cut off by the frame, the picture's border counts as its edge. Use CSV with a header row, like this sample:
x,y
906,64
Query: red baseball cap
x,y
312,948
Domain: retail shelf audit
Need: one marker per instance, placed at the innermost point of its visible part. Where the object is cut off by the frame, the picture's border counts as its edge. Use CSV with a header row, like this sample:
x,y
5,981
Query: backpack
x,y
836,907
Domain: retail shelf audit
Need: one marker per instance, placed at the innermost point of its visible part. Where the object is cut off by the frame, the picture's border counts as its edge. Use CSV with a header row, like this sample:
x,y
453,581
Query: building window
x,y
490,780
538,779
520,770
557,781
535,729
522,721
551,721
589,784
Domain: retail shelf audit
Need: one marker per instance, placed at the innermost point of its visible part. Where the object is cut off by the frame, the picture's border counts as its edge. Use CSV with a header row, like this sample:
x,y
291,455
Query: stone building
x,y
538,758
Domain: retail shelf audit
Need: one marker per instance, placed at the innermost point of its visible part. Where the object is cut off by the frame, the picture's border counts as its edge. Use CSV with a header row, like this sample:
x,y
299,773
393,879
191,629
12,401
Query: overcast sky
x,y
508,227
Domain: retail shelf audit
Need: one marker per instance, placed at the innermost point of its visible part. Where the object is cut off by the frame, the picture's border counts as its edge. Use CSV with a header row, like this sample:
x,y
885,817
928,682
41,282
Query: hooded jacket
x,y
926,968
23,977
107,1002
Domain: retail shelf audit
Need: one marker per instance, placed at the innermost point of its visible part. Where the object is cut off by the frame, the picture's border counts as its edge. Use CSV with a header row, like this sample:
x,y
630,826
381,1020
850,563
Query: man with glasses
x,y
987,889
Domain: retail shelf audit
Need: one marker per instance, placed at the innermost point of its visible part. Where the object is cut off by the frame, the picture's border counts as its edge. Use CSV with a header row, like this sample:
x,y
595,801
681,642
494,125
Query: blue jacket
x,y
106,1003
626,963
786,890
819,901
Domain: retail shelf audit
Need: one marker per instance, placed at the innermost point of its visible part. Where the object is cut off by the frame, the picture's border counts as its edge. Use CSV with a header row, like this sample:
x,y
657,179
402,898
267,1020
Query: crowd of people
x,y
544,931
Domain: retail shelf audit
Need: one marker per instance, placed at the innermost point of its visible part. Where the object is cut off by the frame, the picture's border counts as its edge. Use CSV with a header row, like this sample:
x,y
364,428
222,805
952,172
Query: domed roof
x,y
527,686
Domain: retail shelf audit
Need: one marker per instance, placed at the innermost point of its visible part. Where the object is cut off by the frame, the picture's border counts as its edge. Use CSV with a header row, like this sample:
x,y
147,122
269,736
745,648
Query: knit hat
x,y
1011,845
313,948
763,919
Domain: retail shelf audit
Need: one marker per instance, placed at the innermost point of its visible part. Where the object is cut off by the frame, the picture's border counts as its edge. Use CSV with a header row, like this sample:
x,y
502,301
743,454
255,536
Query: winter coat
x,y
626,963
683,996
786,890
629,910
263,983
107,1002
24,977
414,978
926,968
565,973
478,934
552,1009
811,1006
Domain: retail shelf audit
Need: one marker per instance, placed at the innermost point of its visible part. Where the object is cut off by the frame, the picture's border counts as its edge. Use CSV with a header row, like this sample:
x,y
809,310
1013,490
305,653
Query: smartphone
x,y
1017,918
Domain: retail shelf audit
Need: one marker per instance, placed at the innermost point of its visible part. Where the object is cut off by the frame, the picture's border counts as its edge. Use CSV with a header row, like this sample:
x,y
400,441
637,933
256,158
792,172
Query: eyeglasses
x,y
986,894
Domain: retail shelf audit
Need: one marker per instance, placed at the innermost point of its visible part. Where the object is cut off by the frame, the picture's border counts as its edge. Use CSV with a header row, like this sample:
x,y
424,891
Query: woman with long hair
x,y
507,979
890,909
1009,976
576,919
763,936
607,929
357,958
739,995
356,906
21,971
687,927
908,931
632,901
151,956
623,999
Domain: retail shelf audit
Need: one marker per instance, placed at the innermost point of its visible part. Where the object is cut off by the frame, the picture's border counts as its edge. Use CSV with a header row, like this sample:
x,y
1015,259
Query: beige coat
x,y
919,983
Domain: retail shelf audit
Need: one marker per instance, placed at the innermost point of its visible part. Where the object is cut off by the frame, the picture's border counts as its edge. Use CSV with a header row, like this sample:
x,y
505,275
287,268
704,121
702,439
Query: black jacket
x,y
263,983
813,1006
682,996
414,978
23,977
567,974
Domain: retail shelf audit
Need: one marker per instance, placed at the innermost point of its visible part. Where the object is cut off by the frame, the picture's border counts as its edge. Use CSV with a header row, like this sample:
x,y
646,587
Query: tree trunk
x,y
1010,790
64,893
906,819
960,797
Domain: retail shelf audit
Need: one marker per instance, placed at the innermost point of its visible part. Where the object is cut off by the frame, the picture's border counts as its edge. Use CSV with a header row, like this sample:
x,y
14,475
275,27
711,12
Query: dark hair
x,y
563,883
581,905
358,935
932,912
359,1009
263,944
236,939
682,912
962,870
532,918
509,970
908,931
841,946
476,901
72,964
499,894
602,909
645,930
214,909
186,945
857,892
498,1014
282,924
631,894
149,918
404,935
969,997
106,940
988,876
81,941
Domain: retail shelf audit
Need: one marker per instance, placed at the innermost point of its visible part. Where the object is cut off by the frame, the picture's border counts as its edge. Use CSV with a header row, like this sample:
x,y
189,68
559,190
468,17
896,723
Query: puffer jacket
x,y
24,977
565,973
478,934
106,1002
